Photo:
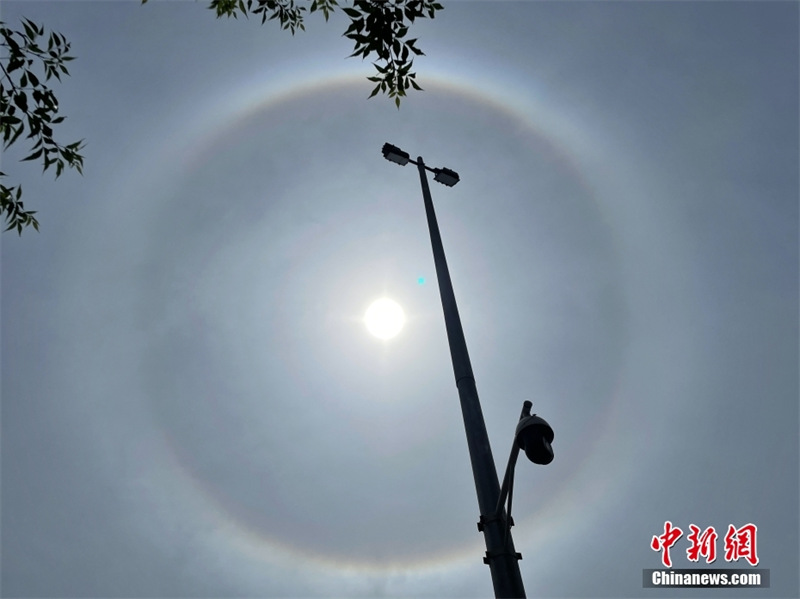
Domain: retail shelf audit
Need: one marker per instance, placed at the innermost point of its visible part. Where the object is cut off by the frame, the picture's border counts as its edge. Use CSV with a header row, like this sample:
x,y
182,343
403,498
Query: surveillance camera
x,y
535,436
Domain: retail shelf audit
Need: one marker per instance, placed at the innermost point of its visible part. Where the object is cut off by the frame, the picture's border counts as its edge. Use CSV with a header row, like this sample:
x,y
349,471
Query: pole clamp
x,y
490,555
487,519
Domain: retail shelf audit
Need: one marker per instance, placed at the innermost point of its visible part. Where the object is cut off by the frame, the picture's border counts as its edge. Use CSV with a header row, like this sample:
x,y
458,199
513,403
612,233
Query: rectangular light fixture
x,y
395,154
446,176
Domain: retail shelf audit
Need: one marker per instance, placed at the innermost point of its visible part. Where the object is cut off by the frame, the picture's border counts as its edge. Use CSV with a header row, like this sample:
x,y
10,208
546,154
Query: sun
x,y
384,318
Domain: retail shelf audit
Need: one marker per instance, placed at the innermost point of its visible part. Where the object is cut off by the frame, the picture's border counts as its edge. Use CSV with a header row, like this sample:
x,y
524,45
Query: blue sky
x,y
193,407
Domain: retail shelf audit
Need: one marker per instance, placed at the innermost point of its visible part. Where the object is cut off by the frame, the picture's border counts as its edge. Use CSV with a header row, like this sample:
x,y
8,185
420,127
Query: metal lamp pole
x,y
501,557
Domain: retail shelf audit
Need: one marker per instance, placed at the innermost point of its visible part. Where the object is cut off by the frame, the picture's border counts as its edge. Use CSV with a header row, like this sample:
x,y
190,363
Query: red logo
x,y
739,543
704,544
664,542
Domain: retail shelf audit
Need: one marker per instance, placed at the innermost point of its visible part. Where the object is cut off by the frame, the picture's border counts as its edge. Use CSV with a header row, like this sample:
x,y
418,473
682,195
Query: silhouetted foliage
x,y
28,104
377,28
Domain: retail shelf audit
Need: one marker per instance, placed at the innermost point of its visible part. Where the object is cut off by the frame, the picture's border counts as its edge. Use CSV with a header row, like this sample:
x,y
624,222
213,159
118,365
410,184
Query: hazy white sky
x,y
192,406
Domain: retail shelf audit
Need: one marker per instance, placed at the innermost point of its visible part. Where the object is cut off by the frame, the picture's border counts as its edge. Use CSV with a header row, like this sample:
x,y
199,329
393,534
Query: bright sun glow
x,y
384,318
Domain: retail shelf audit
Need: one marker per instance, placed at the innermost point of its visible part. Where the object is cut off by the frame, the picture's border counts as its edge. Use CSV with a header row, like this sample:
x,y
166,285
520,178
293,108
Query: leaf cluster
x,y
27,103
14,209
377,27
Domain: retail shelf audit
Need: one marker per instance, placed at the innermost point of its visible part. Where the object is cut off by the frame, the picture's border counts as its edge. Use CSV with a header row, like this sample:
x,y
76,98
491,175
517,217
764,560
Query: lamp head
x,y
395,154
446,176
535,436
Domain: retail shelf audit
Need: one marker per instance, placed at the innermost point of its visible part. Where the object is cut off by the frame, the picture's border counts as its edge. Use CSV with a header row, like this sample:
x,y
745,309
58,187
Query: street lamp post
x,y
501,557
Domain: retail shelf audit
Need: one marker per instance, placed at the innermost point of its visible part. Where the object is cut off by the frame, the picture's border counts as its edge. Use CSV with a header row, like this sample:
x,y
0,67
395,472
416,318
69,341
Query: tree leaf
x,y
33,155
30,28
21,100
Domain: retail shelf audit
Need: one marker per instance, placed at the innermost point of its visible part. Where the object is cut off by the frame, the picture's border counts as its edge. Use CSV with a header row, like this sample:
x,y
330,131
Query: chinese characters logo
x,y
740,543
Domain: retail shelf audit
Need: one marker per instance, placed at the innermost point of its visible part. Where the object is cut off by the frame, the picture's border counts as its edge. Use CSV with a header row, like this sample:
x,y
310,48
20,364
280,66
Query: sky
x,y
192,405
